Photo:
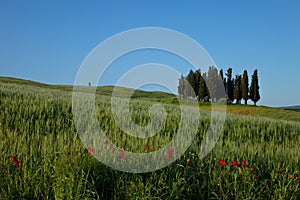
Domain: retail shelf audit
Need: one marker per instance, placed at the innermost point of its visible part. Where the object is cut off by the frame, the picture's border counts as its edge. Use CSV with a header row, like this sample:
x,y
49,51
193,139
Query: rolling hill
x,y
284,113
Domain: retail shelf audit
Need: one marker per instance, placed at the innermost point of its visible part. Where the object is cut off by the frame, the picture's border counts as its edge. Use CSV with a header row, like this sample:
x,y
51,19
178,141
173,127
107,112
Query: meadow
x,y
42,156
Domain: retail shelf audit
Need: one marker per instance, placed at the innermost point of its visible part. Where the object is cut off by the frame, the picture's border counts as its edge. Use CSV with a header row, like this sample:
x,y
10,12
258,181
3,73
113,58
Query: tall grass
x,y
36,126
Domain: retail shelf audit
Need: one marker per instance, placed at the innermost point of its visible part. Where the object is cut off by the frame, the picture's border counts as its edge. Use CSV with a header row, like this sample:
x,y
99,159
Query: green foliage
x,y
254,88
181,87
191,78
245,86
211,81
230,85
203,91
238,89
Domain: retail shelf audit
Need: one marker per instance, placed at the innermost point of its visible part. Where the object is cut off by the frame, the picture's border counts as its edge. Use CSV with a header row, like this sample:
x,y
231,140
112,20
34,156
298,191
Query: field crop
x,y
254,158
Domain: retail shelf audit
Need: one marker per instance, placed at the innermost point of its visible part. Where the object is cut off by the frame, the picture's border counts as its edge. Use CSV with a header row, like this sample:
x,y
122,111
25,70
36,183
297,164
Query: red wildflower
x,y
168,155
91,151
222,163
254,176
298,180
105,141
252,169
235,164
171,150
190,163
292,177
244,163
280,170
16,162
147,147
122,154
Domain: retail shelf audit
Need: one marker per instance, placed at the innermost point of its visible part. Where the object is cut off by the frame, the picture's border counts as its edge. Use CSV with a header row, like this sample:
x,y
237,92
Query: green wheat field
x,y
42,156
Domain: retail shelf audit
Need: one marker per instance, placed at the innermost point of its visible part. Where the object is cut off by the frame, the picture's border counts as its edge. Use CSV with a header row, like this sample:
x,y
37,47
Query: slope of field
x,y
288,113
42,156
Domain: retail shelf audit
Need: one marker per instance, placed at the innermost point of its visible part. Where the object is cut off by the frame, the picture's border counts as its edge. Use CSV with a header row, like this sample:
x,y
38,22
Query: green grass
x,y
37,126
288,114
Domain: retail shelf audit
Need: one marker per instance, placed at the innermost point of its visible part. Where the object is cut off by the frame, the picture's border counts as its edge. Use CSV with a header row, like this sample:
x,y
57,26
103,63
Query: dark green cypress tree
x,y
245,87
254,88
221,75
221,84
238,89
181,86
212,81
230,85
197,77
191,78
202,89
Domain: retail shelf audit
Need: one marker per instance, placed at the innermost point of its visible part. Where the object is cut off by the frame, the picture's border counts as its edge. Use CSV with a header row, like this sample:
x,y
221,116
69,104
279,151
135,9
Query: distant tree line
x,y
213,86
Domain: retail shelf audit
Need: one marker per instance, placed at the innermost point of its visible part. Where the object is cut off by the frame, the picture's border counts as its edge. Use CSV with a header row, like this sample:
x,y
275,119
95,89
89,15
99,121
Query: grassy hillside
x,y
288,113
44,156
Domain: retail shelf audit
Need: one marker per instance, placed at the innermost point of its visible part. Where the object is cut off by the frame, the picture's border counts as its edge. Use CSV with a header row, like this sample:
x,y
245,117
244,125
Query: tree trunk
x,y
245,102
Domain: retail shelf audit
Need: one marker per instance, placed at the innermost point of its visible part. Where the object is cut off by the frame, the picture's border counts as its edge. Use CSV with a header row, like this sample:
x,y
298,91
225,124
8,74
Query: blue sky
x,y
47,42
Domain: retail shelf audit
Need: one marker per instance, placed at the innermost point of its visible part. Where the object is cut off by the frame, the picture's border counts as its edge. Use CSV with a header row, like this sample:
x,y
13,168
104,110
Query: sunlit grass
x,y
36,126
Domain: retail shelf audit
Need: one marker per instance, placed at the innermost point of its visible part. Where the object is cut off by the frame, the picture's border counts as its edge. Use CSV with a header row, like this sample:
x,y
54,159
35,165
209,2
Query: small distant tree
x,y
90,84
254,88
245,87
238,89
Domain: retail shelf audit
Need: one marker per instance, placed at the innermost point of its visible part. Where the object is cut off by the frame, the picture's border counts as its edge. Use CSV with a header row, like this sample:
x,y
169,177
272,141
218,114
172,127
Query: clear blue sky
x,y
47,42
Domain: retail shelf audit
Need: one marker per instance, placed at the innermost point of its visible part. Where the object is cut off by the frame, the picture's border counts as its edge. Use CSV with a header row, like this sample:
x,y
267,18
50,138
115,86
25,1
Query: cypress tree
x,y
245,87
197,84
221,84
202,89
212,80
191,78
181,87
254,88
238,89
230,85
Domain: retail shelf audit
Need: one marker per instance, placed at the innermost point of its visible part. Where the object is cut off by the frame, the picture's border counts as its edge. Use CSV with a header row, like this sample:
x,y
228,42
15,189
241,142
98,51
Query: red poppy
x,y
171,150
168,155
222,163
190,163
254,176
16,162
292,177
147,147
244,163
252,169
280,170
235,164
105,141
122,154
91,151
